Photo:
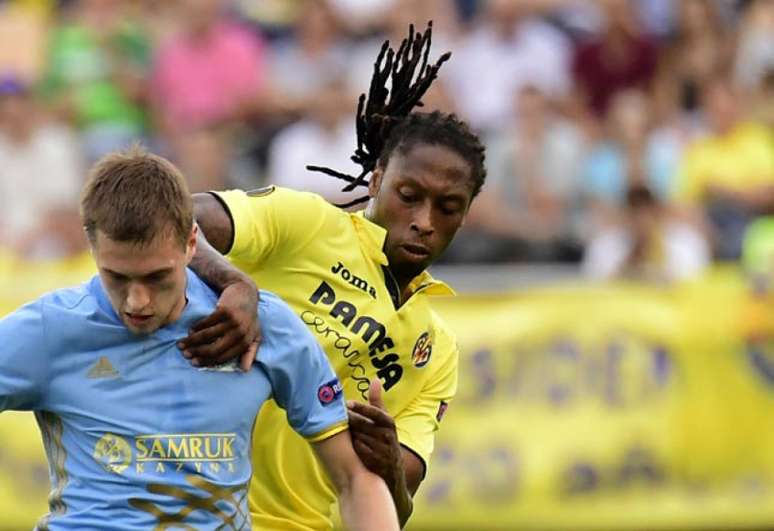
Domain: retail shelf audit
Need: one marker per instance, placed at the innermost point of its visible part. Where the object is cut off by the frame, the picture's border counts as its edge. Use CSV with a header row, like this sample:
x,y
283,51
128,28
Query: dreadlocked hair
x,y
442,129
385,109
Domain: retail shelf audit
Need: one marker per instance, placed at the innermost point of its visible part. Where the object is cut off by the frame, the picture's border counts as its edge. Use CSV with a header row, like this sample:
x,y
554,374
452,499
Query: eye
x,y
407,195
450,209
155,278
117,277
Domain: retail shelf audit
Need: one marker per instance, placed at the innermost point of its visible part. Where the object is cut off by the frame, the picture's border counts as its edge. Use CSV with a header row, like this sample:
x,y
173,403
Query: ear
x,y
190,245
375,182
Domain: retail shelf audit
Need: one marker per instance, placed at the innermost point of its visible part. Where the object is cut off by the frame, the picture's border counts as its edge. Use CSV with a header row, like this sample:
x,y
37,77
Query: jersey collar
x,y
373,236
427,284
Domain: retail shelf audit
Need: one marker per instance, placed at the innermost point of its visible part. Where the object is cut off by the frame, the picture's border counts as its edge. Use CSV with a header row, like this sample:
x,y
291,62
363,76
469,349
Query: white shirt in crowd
x,y
36,177
685,253
308,143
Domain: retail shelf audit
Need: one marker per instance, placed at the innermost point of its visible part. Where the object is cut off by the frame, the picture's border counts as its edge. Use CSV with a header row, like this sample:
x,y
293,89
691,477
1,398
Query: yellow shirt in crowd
x,y
329,266
740,160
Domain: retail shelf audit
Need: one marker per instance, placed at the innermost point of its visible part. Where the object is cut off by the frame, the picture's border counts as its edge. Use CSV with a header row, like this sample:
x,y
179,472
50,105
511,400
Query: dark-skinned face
x,y
421,198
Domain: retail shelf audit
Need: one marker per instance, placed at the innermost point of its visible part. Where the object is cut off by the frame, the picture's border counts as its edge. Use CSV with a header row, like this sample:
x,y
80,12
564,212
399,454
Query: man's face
x,y
145,282
721,107
421,198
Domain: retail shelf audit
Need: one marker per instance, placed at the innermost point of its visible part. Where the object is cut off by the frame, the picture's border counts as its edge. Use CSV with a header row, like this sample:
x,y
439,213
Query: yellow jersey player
x,y
359,282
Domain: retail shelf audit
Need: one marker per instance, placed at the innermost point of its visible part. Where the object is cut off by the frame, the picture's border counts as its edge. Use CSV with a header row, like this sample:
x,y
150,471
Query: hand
x,y
231,331
374,436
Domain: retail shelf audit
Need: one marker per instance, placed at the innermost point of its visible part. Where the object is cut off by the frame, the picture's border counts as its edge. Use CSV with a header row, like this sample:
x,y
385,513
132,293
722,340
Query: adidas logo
x,y
103,369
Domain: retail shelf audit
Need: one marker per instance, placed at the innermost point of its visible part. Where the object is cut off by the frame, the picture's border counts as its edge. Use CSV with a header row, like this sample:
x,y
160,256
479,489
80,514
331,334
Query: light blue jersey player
x,y
136,437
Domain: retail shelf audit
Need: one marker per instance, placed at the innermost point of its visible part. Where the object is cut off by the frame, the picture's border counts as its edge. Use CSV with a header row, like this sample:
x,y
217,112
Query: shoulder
x,y
67,300
64,313
278,320
294,201
239,37
445,340
755,132
308,215
286,341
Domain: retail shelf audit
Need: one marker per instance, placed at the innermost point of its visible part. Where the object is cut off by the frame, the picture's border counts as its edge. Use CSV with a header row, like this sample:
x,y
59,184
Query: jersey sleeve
x,y
303,382
416,425
272,221
23,358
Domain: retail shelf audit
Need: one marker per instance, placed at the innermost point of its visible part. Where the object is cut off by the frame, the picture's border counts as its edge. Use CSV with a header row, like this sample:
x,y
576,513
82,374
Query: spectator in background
x,y
761,106
509,48
755,51
729,175
208,73
209,78
323,138
23,33
361,17
648,245
40,179
96,72
300,66
528,209
700,48
393,27
632,152
621,57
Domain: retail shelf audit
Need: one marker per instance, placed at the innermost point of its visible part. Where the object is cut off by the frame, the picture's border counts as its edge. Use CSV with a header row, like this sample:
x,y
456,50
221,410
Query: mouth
x,y
417,251
137,319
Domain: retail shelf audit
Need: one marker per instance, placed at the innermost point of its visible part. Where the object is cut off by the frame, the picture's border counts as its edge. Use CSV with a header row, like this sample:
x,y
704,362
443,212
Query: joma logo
x,y
354,280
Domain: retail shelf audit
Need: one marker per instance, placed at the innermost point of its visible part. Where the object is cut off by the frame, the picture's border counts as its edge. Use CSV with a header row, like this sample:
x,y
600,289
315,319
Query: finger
x,y
377,445
381,438
362,426
248,357
214,350
365,454
359,422
204,336
375,394
377,415
222,356
220,315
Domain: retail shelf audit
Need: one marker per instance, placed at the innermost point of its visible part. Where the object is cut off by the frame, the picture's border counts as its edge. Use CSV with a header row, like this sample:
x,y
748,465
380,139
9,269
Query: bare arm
x,y
364,500
214,222
232,330
375,440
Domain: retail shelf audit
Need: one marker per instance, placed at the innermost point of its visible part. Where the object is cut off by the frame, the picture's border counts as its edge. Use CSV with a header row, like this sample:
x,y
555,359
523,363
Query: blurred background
x,y
615,315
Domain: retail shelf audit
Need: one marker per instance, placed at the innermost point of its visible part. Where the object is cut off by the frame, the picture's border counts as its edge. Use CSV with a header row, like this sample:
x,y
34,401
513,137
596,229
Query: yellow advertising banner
x,y
579,407
616,407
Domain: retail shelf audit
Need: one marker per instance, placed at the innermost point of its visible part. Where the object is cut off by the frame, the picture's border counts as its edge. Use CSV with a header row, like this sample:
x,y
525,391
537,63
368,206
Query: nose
x,y
422,221
137,298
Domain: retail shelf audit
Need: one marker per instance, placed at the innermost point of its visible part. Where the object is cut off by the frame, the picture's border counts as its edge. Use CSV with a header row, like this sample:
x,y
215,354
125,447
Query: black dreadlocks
x,y
385,124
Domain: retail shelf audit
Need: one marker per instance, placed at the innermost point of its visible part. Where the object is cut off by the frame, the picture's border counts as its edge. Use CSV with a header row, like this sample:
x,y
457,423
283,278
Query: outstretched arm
x,y
232,330
375,440
24,358
364,501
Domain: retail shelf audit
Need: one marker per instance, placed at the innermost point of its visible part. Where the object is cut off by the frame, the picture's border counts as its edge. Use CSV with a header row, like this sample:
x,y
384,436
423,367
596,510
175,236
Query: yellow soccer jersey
x,y
328,265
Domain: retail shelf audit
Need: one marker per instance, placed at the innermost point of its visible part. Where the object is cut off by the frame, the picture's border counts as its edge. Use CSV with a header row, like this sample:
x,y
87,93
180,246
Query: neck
x,y
180,305
397,285
177,311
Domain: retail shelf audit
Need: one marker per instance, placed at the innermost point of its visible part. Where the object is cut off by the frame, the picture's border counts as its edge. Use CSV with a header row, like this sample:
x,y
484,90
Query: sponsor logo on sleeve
x,y
329,392
423,348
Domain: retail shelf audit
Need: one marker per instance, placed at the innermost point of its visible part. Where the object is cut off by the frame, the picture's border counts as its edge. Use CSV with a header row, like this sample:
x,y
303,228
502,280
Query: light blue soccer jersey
x,y
136,437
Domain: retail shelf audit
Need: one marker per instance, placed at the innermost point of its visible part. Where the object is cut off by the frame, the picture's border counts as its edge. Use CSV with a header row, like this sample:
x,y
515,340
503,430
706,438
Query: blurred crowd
x,y
634,138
